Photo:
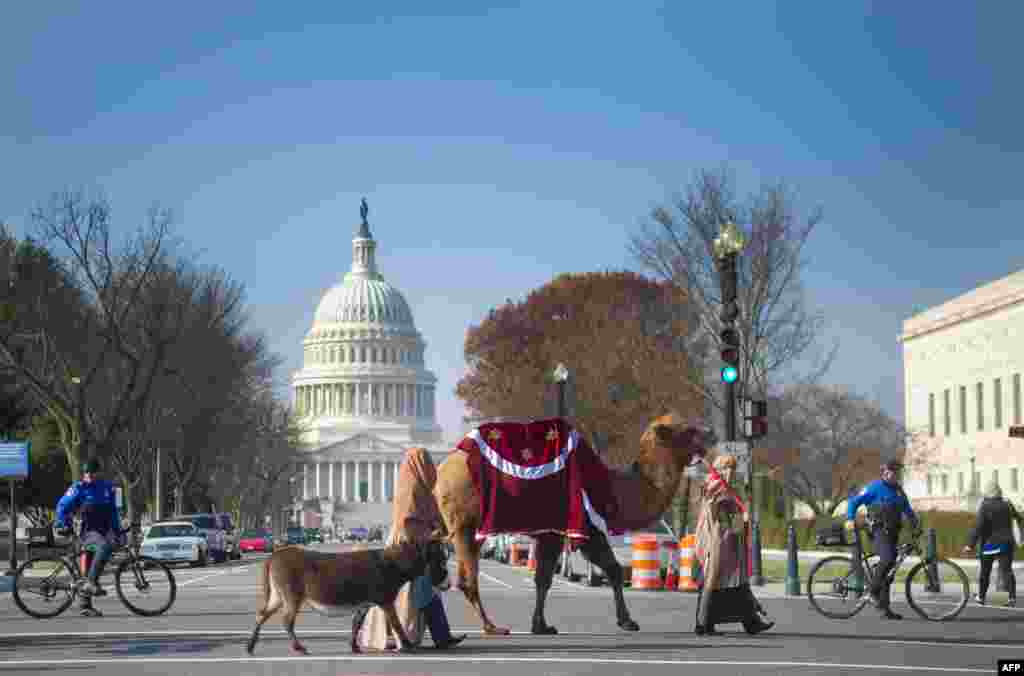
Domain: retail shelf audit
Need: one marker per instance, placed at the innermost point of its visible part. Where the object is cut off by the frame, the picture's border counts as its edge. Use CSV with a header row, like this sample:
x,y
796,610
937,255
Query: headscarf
x,y
992,490
414,514
715,486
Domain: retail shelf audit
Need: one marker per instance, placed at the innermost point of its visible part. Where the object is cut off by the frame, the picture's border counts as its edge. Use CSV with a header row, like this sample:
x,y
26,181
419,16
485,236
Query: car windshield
x,y
254,534
170,531
204,522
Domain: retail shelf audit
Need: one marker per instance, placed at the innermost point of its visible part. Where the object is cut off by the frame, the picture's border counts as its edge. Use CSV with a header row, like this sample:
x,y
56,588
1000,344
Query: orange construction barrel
x,y
646,562
688,564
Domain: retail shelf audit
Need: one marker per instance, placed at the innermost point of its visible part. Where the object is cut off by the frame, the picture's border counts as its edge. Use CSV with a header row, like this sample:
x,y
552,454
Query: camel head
x,y
673,440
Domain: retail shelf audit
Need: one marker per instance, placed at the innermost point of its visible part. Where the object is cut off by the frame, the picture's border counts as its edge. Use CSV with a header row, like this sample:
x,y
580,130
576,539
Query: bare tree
x,y
776,328
827,441
87,368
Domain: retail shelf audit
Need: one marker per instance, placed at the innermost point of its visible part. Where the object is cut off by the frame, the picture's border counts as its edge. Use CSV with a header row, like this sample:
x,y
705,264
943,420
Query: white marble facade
x,y
364,395
963,364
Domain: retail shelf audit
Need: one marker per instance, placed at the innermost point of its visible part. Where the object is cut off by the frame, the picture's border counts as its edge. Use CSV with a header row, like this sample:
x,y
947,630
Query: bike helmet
x,y
91,466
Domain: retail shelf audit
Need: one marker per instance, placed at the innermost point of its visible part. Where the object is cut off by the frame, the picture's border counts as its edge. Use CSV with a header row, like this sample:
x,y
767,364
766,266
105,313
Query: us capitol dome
x,y
363,396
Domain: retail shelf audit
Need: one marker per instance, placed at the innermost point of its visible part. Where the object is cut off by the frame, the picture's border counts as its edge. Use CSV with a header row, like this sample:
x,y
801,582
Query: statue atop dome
x,y
364,227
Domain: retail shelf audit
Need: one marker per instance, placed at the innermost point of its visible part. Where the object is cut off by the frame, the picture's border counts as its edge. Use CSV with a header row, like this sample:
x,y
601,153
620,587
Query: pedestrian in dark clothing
x,y
994,529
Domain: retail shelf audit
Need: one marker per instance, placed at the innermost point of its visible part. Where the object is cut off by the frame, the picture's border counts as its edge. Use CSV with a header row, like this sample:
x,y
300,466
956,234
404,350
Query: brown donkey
x,y
335,583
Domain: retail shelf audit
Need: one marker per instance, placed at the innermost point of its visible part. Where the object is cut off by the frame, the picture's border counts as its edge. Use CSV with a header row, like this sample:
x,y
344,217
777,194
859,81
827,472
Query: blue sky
x,y
500,146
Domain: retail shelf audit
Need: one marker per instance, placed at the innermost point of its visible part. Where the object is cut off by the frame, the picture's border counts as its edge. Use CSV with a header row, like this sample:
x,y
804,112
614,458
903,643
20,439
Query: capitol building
x,y
363,396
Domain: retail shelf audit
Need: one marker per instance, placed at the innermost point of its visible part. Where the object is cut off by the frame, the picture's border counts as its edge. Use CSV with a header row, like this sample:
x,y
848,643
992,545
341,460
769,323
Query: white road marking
x,y
204,577
476,660
471,632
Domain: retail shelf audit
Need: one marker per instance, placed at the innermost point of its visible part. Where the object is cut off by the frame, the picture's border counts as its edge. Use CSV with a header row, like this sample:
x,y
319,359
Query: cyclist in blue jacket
x,y
101,525
886,503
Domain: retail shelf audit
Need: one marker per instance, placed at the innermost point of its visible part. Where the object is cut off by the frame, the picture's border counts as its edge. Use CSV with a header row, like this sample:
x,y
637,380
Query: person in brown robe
x,y
414,518
725,594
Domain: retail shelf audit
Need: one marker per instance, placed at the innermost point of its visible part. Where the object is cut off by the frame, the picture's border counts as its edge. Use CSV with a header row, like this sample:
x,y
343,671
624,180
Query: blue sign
x,y
14,459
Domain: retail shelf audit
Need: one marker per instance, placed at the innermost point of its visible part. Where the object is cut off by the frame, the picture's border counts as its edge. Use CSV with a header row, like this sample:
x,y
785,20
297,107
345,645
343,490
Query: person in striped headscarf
x,y
725,594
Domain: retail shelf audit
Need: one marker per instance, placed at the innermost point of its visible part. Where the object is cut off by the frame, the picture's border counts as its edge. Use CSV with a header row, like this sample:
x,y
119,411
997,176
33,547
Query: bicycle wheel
x,y
938,596
145,586
833,589
44,587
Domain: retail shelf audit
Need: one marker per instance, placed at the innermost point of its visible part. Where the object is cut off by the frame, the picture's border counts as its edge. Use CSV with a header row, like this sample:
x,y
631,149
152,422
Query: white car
x,y
176,542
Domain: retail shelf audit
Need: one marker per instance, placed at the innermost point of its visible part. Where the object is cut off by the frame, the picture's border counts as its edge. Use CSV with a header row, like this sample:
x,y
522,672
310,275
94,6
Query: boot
x,y
887,614
757,625
706,630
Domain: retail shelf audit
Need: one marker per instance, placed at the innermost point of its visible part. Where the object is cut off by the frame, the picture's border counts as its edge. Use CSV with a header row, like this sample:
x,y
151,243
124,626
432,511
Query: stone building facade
x,y
963,363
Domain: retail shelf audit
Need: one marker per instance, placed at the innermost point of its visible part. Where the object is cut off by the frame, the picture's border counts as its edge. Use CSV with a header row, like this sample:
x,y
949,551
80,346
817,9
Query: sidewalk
x,y
811,556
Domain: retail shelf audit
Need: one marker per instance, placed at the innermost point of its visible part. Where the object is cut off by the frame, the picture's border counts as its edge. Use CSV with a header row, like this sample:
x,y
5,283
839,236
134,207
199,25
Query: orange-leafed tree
x,y
623,338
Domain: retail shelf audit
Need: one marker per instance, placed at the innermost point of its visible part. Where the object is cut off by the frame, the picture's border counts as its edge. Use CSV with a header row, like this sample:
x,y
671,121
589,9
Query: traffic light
x,y
730,355
755,418
1017,431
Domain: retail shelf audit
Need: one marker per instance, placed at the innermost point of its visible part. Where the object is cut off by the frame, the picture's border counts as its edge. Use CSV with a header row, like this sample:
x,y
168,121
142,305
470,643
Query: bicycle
x,y
55,580
936,588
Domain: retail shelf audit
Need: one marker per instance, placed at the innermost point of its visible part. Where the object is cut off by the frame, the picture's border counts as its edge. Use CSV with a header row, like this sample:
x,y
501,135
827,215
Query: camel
x,y
644,493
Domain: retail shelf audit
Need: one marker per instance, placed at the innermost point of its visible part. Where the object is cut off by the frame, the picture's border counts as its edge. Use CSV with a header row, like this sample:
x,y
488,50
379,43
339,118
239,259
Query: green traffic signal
x,y
730,374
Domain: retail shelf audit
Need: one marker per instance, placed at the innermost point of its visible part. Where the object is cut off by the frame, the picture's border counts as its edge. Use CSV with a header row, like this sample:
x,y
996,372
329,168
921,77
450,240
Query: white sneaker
x,y
980,601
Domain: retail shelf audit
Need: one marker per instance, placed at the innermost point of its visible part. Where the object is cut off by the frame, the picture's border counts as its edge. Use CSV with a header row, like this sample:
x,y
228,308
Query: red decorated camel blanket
x,y
538,477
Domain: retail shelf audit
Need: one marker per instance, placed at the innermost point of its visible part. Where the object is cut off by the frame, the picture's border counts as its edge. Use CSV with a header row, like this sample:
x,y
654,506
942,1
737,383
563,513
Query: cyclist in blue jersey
x,y
95,499
886,503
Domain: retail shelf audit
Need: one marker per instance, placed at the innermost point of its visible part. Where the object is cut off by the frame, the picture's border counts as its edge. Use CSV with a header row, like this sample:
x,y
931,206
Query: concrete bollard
x,y
793,567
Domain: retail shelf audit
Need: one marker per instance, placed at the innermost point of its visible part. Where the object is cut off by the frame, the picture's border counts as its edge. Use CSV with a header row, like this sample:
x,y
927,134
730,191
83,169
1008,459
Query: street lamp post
x,y
727,248
561,376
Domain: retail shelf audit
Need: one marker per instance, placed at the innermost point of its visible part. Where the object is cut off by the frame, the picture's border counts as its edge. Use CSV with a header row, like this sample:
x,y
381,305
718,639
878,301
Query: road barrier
x,y
531,563
688,564
646,564
671,552
518,554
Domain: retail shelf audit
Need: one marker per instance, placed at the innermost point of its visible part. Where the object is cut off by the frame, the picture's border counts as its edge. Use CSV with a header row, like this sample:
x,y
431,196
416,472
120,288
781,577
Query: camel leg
x,y
264,615
549,546
468,553
291,611
597,550
396,626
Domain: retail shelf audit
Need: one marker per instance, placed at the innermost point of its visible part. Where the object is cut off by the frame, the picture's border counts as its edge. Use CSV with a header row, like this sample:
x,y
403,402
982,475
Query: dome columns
x,y
362,399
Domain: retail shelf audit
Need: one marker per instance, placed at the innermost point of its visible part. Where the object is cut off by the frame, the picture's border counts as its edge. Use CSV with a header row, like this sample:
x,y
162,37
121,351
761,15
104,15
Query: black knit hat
x,y
92,465
892,463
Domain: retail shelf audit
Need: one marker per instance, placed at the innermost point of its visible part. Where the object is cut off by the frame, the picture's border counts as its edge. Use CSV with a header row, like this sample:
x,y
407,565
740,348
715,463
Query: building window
x,y
945,484
980,389
963,409
1016,399
1013,479
364,491
947,413
931,418
929,484
997,394
960,482
976,482
995,476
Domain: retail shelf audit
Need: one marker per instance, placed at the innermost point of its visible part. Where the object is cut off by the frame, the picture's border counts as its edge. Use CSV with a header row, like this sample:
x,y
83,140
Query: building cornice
x,y
977,303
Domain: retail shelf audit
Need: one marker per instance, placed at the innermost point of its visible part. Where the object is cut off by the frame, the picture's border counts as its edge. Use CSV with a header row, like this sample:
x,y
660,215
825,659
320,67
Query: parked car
x,y
209,526
231,535
314,535
256,540
295,536
358,534
176,542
